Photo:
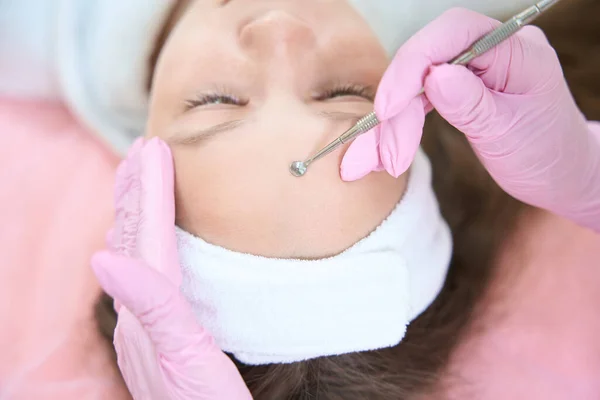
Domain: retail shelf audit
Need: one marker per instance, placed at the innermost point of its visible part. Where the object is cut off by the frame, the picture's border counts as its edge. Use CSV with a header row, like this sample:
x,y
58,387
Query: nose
x,y
278,34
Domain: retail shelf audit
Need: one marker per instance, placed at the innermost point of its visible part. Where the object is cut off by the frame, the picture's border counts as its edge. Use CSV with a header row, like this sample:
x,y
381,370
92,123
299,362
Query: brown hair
x,y
481,217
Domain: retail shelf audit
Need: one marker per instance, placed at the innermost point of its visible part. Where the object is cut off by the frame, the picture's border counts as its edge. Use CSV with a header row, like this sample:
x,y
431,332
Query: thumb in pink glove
x,y
512,103
163,353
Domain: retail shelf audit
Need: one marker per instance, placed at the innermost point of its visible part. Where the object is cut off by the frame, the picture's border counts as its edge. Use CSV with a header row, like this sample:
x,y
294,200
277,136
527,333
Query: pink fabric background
x,y
55,205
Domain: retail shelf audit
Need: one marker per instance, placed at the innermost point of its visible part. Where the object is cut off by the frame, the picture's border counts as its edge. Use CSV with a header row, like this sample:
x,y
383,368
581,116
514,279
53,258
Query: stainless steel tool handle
x,y
503,32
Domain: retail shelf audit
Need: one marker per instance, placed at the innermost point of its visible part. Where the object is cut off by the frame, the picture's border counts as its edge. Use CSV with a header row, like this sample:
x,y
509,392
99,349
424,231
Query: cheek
x,y
239,194
226,187
214,188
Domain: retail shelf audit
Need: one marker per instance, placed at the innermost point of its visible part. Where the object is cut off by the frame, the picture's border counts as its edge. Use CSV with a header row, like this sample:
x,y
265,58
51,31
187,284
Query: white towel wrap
x,y
265,310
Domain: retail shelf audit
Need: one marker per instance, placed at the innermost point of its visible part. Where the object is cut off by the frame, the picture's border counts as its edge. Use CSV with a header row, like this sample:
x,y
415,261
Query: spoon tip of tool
x,y
298,168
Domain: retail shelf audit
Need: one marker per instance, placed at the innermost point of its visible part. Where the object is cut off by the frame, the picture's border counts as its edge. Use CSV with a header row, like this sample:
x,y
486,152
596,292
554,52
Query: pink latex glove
x,y
513,105
163,353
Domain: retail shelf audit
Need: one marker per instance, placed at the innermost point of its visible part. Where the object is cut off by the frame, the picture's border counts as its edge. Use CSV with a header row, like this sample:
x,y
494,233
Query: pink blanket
x,y
55,198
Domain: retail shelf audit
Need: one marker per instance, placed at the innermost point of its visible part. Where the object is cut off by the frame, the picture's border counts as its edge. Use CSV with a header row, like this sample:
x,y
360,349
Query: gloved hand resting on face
x,y
162,351
513,105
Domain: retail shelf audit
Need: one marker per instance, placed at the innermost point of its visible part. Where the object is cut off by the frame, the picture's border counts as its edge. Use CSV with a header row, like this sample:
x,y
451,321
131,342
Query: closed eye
x,y
215,98
347,90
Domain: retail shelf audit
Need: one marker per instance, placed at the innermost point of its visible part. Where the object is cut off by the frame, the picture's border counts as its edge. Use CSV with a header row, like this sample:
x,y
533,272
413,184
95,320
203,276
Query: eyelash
x,y
337,91
346,90
216,98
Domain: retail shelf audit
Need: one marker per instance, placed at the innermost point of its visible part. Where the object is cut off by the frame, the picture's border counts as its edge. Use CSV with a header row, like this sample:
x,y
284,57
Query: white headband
x,y
267,311
103,53
103,49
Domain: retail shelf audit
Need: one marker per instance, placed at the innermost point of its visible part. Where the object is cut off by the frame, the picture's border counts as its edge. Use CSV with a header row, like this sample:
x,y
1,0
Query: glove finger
x,y
156,240
124,168
401,137
154,301
127,203
362,157
437,43
195,374
137,359
109,244
463,100
136,146
524,64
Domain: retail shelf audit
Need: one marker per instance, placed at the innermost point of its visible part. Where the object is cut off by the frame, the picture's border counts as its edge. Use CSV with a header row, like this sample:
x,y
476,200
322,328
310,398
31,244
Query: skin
x,y
278,63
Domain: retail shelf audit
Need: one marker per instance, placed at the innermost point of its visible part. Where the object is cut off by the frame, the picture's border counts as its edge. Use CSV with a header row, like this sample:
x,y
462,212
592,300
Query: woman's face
x,y
245,87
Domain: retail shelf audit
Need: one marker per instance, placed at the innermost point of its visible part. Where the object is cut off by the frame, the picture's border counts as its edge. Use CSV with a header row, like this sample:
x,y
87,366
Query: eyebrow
x,y
341,115
187,139
202,134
